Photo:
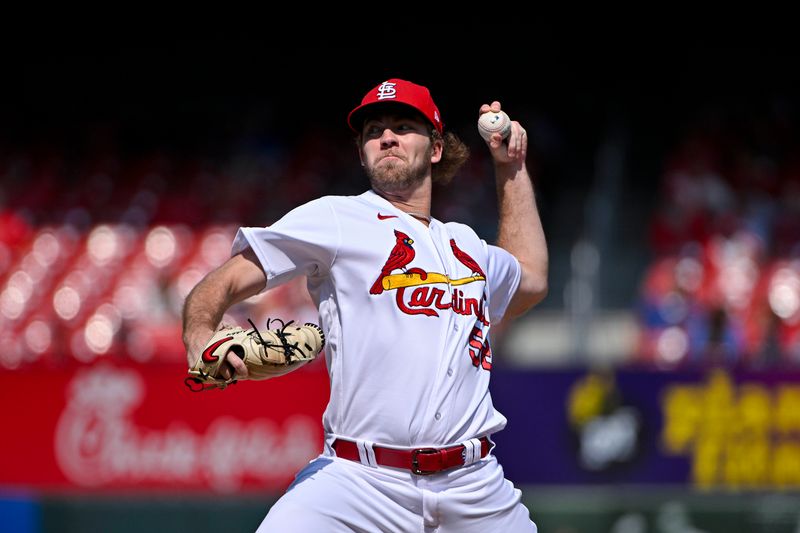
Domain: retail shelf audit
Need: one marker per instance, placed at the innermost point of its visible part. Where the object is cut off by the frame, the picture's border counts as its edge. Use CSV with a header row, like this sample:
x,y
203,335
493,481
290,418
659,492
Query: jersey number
x,y
479,350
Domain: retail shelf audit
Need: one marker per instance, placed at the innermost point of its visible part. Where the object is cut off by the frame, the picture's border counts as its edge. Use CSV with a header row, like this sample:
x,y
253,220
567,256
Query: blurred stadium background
x,y
656,389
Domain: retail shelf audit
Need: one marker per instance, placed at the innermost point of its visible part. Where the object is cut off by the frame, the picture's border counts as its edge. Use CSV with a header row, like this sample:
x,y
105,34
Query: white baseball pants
x,y
332,494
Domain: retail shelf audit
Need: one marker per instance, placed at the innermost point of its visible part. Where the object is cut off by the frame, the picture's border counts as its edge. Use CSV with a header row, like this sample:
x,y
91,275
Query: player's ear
x,y
437,149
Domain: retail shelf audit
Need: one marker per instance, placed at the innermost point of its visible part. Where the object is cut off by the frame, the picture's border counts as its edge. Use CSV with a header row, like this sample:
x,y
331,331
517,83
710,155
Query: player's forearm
x,y
239,278
520,229
203,311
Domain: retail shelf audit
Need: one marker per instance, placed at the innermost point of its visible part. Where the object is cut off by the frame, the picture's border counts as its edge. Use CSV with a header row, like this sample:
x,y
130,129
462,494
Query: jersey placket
x,y
437,411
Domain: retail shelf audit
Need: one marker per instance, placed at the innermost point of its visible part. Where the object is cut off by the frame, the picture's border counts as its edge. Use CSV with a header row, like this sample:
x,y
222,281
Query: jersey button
x,y
449,371
438,416
455,327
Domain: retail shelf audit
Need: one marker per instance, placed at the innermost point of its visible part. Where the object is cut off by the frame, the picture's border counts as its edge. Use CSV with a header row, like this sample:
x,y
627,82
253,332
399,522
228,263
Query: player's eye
x,y
372,130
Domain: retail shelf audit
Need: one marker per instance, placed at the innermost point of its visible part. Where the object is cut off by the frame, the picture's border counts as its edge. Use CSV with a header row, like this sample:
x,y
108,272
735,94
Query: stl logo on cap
x,y
387,90
396,91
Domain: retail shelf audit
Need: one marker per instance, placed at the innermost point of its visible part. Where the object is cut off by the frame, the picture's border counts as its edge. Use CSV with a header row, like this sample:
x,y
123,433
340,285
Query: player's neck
x,y
416,200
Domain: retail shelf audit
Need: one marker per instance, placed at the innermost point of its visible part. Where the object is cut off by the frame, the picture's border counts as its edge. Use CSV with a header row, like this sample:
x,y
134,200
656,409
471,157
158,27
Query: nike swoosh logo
x,y
384,217
207,353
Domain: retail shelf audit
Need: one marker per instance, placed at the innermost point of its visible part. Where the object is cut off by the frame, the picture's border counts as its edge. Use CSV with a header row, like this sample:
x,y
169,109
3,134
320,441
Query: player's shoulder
x,y
335,199
367,201
311,209
340,199
461,230
324,203
325,209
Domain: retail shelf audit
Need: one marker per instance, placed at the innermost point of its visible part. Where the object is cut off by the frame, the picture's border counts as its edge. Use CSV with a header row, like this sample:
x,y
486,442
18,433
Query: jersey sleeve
x,y
302,243
503,276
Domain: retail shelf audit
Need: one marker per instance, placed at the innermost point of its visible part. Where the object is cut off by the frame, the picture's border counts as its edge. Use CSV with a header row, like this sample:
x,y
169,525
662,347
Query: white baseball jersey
x,y
406,311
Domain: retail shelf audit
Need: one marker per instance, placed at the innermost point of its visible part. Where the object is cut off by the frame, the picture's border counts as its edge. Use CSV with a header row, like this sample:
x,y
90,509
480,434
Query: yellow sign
x,y
739,436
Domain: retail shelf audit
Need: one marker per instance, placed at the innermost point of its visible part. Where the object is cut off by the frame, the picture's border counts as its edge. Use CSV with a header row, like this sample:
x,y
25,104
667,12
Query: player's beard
x,y
397,175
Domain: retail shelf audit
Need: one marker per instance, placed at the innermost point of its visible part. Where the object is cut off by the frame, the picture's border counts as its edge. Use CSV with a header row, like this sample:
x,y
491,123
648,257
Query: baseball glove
x,y
273,353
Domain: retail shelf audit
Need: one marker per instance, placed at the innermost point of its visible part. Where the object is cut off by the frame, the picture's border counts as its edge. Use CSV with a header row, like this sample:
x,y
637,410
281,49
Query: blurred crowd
x,y
724,283
99,248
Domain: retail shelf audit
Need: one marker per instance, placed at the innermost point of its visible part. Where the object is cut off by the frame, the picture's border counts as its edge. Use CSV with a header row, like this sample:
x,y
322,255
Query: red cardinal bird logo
x,y
465,259
402,254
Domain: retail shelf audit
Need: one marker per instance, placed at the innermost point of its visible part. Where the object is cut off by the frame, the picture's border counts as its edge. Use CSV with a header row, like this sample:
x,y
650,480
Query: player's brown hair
x,y
454,154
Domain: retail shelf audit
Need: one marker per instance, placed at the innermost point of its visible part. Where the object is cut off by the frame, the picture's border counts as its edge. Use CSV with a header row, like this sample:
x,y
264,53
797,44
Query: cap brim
x,y
358,115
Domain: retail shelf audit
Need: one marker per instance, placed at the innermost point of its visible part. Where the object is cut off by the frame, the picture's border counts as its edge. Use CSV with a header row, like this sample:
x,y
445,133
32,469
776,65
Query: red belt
x,y
422,461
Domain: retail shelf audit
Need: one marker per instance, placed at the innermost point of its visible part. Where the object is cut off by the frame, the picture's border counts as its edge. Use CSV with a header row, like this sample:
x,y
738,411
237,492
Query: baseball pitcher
x,y
406,306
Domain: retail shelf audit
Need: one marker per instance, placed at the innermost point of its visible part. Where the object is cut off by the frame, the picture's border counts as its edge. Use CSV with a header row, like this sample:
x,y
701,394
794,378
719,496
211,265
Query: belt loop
x,y
366,453
472,451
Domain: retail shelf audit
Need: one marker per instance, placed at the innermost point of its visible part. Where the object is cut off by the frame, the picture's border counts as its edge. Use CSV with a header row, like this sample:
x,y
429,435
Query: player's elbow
x,y
533,284
530,293
535,291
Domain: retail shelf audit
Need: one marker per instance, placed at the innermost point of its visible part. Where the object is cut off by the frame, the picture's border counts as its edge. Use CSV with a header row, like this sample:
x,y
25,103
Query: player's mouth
x,y
391,157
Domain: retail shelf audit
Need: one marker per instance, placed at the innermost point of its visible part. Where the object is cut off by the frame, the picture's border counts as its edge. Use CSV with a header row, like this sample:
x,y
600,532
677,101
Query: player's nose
x,y
388,138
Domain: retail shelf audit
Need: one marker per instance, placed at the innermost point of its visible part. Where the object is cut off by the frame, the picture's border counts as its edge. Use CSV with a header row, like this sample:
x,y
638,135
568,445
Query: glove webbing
x,y
288,349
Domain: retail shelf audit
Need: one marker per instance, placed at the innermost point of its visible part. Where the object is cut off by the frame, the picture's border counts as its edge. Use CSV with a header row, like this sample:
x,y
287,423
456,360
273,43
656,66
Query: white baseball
x,y
491,122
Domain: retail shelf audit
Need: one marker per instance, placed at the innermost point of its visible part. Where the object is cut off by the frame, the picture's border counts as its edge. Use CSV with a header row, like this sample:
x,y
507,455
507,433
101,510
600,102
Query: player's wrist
x,y
194,340
508,170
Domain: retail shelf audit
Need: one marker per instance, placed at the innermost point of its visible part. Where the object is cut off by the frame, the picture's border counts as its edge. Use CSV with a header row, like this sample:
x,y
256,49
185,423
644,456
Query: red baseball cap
x,y
399,92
